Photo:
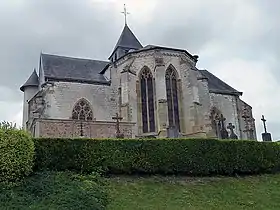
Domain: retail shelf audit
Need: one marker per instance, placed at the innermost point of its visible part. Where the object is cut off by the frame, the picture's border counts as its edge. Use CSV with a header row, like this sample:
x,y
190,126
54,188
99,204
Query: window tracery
x,y
172,97
147,100
82,111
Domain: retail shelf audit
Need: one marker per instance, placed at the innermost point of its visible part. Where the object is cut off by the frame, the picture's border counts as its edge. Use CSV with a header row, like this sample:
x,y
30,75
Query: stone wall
x,y
227,104
72,129
62,96
242,106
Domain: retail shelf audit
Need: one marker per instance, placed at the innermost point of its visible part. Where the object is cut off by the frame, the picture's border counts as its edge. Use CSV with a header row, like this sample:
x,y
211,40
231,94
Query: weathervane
x,y
125,14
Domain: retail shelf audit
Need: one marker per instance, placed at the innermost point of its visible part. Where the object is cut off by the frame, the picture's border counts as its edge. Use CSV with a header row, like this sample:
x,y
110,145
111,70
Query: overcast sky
x,y
237,40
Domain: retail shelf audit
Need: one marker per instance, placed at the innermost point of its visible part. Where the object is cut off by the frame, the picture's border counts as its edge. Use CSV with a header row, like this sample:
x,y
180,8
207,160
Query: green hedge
x,y
16,153
165,156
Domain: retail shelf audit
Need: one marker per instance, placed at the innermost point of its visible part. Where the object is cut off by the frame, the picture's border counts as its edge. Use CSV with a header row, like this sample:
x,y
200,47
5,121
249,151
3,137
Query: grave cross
x,y
264,123
246,118
118,132
232,134
224,133
81,129
265,136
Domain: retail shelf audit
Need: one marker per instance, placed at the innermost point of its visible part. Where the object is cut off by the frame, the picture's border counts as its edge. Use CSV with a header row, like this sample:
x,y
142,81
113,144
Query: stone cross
x,y
125,14
246,117
224,133
264,123
232,135
265,136
81,129
118,132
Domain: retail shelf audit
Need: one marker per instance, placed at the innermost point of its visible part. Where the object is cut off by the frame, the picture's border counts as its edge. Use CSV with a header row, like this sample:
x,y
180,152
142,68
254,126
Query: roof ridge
x,y
73,58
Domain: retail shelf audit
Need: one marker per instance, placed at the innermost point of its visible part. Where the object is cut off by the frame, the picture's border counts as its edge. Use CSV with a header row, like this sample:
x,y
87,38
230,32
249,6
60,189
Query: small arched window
x,y
82,111
172,97
147,100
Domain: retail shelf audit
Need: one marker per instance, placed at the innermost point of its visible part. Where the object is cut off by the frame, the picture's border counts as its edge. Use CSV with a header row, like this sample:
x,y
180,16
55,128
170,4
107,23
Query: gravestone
x,y
173,132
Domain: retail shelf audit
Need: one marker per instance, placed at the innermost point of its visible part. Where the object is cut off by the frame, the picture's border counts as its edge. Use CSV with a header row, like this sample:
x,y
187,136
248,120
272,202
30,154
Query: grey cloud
x,y
86,28
51,26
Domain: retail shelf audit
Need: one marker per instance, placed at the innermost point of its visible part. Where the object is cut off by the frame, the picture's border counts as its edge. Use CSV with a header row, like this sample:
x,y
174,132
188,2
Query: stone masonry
x,y
72,129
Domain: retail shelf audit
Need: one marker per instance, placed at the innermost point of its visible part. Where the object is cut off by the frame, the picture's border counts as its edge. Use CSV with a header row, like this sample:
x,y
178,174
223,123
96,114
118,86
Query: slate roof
x,y
127,40
33,81
216,85
73,69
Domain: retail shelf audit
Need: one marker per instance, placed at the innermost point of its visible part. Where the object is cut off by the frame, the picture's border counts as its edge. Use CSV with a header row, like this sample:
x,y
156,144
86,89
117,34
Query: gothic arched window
x,y
172,97
147,100
82,111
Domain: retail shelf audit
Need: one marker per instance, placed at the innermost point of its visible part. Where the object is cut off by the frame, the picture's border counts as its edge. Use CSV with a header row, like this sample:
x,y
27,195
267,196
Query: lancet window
x,y
172,97
147,100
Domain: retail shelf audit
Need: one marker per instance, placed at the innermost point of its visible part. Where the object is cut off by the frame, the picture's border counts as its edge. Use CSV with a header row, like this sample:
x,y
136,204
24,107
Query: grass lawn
x,y
66,190
176,193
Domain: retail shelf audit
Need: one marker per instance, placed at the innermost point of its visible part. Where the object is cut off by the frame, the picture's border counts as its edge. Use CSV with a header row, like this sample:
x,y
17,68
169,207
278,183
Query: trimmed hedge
x,y
164,156
16,153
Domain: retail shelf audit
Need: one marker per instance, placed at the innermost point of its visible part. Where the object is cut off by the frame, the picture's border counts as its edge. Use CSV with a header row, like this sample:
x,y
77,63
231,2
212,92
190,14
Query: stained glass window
x,y
147,101
172,98
82,111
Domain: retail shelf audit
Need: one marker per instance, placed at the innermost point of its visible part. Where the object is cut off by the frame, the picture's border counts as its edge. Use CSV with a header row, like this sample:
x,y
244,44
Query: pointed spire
x,y
127,41
33,81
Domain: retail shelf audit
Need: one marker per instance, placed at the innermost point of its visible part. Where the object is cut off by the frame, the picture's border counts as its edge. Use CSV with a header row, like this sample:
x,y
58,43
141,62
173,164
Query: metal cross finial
x,y
264,123
125,14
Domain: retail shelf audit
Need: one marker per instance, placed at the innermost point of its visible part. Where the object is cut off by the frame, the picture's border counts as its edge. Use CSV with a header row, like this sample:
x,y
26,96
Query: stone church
x,y
140,91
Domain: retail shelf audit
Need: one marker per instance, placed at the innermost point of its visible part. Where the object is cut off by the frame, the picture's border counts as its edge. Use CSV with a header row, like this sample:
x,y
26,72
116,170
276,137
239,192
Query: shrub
x,y
56,190
165,156
16,153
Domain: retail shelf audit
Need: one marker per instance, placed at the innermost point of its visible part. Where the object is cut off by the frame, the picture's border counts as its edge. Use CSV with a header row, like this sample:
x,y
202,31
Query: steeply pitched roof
x,y
73,69
33,81
218,86
127,40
